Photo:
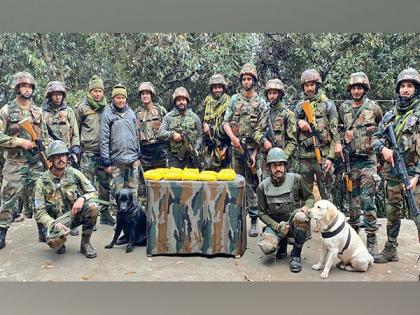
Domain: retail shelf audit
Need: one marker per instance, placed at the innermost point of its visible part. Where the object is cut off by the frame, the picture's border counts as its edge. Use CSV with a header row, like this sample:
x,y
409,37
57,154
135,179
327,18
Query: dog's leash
x,y
103,202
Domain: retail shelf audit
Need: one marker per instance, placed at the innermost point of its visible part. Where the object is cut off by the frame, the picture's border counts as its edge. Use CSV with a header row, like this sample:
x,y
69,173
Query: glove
x,y
282,228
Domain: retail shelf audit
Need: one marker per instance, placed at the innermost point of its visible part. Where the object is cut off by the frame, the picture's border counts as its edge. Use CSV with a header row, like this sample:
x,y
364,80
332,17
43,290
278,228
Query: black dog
x,y
131,219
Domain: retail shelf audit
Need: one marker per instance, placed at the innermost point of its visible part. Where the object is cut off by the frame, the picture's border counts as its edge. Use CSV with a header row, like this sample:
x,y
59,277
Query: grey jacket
x,y
118,136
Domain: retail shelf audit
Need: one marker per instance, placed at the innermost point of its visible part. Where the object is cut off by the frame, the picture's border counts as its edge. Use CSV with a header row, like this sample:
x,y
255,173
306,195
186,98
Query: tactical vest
x,y
245,115
363,127
322,126
281,200
13,129
60,194
149,124
59,122
279,121
182,123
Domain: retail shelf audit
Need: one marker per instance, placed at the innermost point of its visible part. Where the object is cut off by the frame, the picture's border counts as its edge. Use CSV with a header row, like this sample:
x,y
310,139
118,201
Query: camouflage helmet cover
x,y
23,77
55,86
147,86
310,75
409,74
57,147
358,78
274,84
55,238
217,79
181,91
249,69
276,155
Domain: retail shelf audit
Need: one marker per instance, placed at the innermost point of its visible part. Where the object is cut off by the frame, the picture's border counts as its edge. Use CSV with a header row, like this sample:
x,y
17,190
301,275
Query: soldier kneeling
x,y
63,201
283,203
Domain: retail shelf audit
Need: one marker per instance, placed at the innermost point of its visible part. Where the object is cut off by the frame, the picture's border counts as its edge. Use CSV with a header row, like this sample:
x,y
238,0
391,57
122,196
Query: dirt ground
x,y
25,259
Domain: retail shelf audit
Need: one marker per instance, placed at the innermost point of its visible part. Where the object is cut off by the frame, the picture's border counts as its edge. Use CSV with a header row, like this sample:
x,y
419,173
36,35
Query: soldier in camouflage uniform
x,y
326,117
283,203
243,123
405,119
63,201
88,114
217,145
119,143
360,118
21,169
149,117
280,125
180,126
61,121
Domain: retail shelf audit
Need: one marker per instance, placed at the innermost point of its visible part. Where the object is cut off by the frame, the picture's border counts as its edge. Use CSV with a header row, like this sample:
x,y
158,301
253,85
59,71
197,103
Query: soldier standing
x,y
360,118
63,201
88,114
61,121
326,119
149,117
283,203
280,125
21,169
182,128
405,120
119,143
242,124
217,144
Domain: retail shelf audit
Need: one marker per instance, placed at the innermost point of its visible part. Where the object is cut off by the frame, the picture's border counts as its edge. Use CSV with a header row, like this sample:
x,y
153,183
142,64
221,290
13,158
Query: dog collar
x,y
334,233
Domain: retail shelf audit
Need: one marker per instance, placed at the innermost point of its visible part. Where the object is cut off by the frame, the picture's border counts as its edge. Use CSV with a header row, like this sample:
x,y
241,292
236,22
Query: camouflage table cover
x,y
196,217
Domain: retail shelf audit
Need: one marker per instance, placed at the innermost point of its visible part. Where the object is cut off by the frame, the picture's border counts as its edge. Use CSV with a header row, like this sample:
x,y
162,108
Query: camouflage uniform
x,y
62,119
153,151
279,203
55,196
245,116
119,145
283,124
358,131
88,115
20,170
326,118
217,150
405,119
188,123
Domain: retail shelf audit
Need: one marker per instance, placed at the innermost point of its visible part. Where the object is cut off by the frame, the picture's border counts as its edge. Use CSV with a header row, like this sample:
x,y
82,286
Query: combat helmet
x,y
57,147
147,86
310,75
249,69
409,74
276,155
56,238
181,91
23,77
358,78
274,84
55,86
217,79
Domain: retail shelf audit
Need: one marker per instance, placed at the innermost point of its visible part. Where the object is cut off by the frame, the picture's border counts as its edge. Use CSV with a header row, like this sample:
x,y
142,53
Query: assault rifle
x,y
348,182
270,131
72,161
250,165
39,149
401,171
307,108
213,144
196,157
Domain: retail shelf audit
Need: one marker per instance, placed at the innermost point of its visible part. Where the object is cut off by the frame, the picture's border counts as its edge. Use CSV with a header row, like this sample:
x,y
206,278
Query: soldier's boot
x,y
282,249
3,233
74,232
86,248
295,263
106,218
42,233
372,244
253,231
389,253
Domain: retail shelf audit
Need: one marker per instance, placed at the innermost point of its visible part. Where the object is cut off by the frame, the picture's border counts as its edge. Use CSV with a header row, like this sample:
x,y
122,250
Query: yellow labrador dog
x,y
339,240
